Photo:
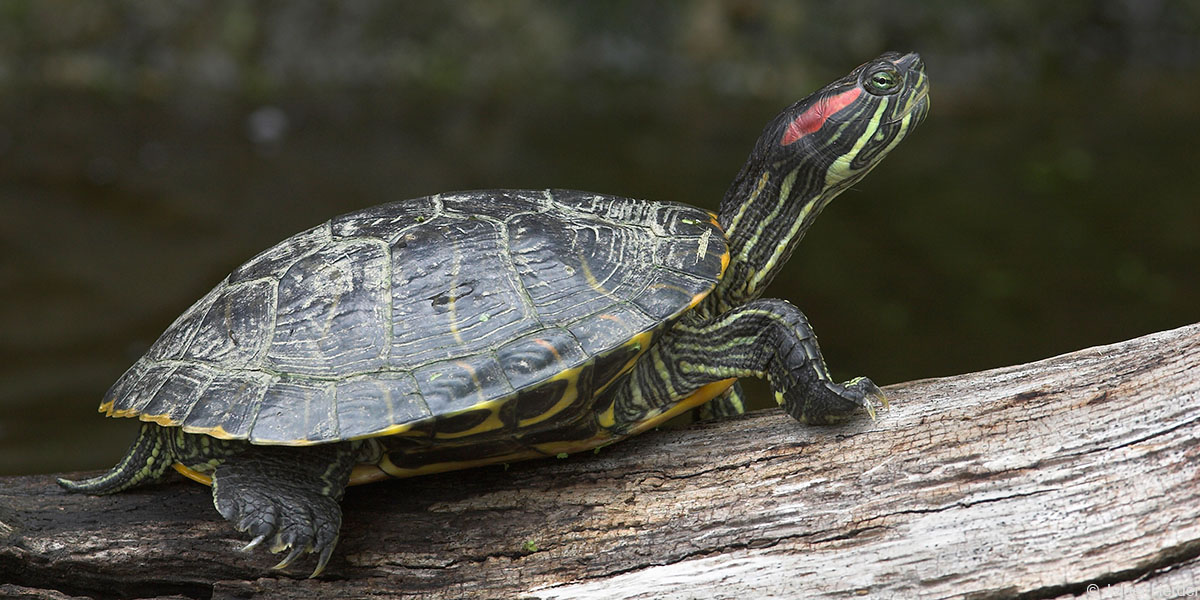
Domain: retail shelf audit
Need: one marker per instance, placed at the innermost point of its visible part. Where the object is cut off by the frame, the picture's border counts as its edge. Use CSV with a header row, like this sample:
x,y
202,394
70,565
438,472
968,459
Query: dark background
x,y
147,148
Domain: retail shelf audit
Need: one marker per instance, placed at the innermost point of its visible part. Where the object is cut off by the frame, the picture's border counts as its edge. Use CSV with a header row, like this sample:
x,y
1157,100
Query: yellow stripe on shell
x,y
568,397
642,342
491,423
217,431
364,474
386,465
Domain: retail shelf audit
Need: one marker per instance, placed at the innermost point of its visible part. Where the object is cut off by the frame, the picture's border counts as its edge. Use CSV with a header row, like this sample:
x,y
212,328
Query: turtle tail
x,y
150,455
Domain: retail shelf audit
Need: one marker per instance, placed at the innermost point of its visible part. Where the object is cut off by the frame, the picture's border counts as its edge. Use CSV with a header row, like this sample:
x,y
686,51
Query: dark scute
x,y
137,386
236,325
453,293
494,204
581,429
272,262
295,411
461,422
385,221
560,264
534,358
534,402
684,256
608,366
663,299
453,386
179,392
231,402
611,327
332,315
173,342
369,404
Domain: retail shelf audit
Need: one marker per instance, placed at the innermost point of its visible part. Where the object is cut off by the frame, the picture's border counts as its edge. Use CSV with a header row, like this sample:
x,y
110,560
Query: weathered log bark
x,y
1073,476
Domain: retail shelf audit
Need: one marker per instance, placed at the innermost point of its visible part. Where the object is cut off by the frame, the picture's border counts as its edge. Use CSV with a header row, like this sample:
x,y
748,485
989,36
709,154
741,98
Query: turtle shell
x,y
444,316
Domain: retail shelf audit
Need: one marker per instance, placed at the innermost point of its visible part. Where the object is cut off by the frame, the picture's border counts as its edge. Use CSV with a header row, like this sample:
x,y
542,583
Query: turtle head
x,y
843,130
807,155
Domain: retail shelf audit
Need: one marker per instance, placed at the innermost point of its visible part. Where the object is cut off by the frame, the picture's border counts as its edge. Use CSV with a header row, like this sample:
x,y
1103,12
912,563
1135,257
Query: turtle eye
x,y
884,81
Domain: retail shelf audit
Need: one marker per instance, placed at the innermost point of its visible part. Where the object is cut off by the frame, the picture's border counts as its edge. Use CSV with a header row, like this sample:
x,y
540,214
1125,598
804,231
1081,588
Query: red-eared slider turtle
x,y
480,327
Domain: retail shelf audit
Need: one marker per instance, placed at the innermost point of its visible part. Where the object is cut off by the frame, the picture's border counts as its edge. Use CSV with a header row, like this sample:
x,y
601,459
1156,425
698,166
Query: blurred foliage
x,y
148,147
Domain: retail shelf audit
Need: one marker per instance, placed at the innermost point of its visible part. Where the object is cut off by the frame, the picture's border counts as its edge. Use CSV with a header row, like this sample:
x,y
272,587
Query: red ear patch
x,y
814,118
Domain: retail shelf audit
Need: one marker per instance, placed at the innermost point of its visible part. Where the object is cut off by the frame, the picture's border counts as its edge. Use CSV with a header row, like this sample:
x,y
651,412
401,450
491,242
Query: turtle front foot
x,y
827,402
285,514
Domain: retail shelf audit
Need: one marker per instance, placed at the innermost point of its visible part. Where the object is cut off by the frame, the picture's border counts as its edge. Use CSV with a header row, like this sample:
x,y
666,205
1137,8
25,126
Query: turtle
x,y
481,327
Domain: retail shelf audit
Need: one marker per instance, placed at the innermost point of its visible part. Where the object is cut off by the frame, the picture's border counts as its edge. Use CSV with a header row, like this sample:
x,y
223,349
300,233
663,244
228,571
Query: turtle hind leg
x,y
285,496
150,455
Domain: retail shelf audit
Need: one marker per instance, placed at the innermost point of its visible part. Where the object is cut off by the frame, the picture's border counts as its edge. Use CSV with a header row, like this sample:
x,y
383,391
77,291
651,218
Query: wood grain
x,y
1075,476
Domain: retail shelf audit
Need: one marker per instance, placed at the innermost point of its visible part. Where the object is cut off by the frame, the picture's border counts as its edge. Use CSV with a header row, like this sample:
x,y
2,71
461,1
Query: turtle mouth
x,y
917,105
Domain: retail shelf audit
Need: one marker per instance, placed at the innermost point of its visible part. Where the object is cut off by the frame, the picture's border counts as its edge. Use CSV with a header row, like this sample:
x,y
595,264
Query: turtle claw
x,y
828,402
253,543
296,552
287,517
867,393
324,559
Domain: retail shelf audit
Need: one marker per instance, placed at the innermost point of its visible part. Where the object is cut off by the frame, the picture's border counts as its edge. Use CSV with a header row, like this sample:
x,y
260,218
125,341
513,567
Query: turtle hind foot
x,y
286,519
147,459
286,498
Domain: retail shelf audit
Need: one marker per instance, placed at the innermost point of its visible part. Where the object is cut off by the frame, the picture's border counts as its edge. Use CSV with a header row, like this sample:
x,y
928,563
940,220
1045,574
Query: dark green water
x,y
1049,202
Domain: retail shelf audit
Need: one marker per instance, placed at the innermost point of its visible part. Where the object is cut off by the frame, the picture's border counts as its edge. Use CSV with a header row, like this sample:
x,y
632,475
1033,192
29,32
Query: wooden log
x,y
1073,476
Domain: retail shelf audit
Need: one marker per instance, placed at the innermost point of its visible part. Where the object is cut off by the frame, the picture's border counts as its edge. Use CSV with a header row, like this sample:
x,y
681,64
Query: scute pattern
x,y
331,316
453,292
369,404
426,318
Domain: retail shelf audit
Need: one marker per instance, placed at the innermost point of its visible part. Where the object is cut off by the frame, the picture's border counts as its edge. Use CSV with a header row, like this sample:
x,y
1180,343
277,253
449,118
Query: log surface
x,y
1075,476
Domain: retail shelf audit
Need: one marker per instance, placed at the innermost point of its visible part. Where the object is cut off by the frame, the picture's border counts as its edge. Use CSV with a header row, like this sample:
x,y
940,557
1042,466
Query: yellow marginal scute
x,y
109,411
712,217
642,341
392,470
569,396
217,432
163,420
492,422
389,430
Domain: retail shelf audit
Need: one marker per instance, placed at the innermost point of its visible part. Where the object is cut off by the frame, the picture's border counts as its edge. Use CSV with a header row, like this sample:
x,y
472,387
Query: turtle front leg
x,y
731,402
764,338
288,497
